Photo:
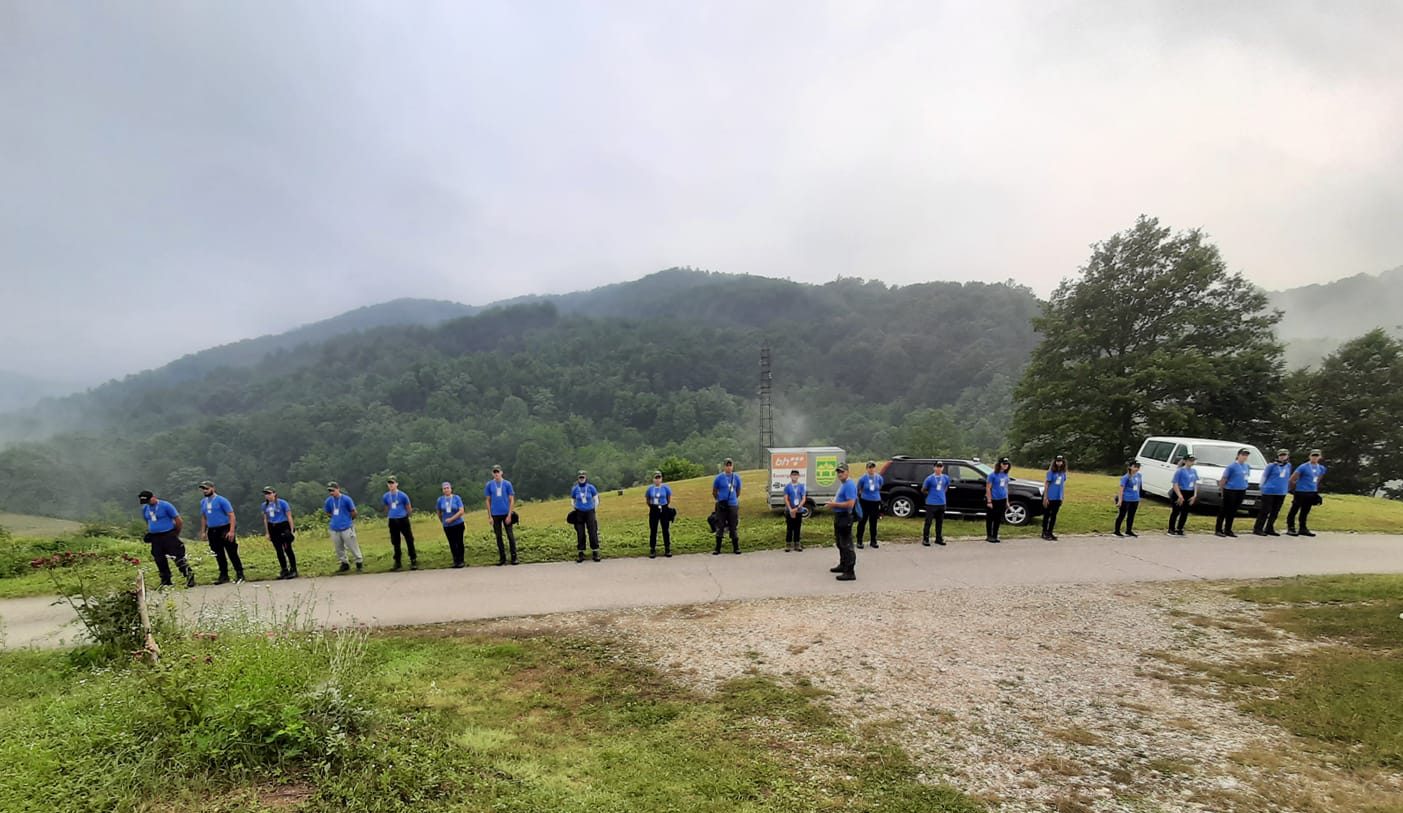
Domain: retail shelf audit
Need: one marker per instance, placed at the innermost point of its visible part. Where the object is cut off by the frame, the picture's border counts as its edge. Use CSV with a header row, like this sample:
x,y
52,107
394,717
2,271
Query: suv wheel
x,y
1016,513
902,506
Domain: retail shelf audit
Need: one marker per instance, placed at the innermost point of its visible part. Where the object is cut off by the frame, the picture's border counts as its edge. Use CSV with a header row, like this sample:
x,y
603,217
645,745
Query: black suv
x,y
901,489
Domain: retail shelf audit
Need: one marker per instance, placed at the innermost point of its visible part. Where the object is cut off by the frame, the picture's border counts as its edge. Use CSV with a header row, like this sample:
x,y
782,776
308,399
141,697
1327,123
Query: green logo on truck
x,y
826,469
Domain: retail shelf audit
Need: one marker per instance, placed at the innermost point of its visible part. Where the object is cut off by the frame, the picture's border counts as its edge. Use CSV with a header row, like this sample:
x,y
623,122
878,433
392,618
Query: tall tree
x,y
1156,336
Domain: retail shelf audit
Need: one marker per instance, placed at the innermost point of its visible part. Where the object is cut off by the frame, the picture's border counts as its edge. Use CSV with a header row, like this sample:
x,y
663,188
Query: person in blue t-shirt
x,y
1053,491
1128,498
217,528
278,527
1234,488
1183,495
1306,485
501,506
660,514
585,498
936,487
869,496
450,514
1276,480
163,527
996,498
795,495
342,512
725,490
844,503
398,507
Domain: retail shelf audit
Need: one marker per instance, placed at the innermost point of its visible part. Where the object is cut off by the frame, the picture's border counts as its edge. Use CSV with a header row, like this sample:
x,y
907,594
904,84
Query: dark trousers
x,y
1179,511
455,541
399,526
225,552
995,519
166,546
500,524
1050,516
656,520
870,511
280,534
793,525
843,536
727,517
1127,515
1227,512
588,522
1267,514
936,514
1301,503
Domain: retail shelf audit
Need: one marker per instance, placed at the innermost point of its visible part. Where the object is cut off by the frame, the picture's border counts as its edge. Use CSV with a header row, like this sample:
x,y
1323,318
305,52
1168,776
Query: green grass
x,y
29,525
426,720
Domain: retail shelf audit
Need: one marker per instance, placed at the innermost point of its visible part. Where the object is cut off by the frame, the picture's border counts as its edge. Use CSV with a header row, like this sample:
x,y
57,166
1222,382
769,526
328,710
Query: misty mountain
x,y
20,390
1317,319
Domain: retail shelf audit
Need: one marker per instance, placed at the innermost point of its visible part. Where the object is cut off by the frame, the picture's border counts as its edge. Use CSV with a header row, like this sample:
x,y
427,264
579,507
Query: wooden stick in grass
x,y
151,648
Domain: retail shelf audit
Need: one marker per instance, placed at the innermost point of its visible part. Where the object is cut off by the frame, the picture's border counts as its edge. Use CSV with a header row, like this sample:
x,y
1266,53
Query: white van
x,y
1159,457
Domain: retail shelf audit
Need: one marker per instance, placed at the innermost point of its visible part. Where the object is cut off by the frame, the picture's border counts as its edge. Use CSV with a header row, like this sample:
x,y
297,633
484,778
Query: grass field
x,y
28,525
623,520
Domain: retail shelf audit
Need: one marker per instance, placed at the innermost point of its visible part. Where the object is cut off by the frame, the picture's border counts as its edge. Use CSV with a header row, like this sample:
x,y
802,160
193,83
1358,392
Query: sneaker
x,y
457,565
667,555
652,554
595,555
940,542
282,575
396,566
345,566
925,542
1219,533
1230,534
1052,537
292,574
874,543
360,566
1273,533
413,565
238,578
513,561
501,562
1291,532
859,545
1307,533
996,540
1119,534
580,557
164,585
1132,534
838,569
190,578
223,579
846,577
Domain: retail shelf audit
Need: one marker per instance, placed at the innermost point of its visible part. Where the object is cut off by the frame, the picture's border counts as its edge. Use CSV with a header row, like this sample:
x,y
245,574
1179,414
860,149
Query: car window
x,y
1157,450
1215,455
1179,452
900,470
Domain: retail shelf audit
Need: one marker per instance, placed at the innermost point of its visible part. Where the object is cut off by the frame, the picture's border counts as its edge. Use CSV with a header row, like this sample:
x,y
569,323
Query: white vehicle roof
x,y
1217,442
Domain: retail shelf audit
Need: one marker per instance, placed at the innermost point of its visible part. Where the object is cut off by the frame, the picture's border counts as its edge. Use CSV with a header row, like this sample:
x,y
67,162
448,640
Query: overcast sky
x,y
180,175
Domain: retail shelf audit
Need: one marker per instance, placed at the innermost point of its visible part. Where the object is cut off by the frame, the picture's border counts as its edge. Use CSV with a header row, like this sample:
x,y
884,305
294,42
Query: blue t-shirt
x,y
216,510
659,495
585,497
1275,478
1235,476
999,485
398,502
794,494
727,488
276,511
1056,481
447,507
1186,479
847,490
1130,485
160,516
1309,479
499,497
935,486
869,487
339,509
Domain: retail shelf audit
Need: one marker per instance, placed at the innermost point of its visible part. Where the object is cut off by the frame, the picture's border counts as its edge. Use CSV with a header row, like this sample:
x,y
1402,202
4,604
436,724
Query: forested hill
x,y
614,380
1317,319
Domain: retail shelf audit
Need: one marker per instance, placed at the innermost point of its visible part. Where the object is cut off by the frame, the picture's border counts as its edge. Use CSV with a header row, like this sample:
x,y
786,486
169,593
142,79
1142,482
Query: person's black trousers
x,y
1267,514
399,527
498,525
588,522
793,525
656,520
280,534
936,514
225,552
1179,512
455,540
166,546
1301,503
1227,512
1126,514
843,536
870,510
995,519
1050,517
727,517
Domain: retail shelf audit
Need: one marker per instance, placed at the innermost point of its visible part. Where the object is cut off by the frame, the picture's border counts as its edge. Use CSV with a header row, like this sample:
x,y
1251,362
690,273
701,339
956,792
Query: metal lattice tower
x,y
767,412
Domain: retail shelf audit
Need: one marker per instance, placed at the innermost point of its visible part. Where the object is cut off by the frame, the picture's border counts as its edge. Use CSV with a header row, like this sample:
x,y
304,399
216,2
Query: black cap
x,y
793,472
389,480
144,497
206,484
269,490
1058,457
728,462
1003,460
1189,457
333,485
496,469
1244,451
842,467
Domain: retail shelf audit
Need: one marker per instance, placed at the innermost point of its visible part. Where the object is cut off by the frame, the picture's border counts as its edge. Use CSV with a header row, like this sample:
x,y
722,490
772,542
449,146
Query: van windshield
x,y
1223,455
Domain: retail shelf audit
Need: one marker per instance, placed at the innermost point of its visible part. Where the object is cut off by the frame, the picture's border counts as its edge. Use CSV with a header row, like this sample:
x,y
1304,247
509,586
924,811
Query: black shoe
x,y
223,579
652,554
345,566
596,556
874,543
413,565
996,540
282,575
1256,532
716,552
1291,532
1219,533
838,569
396,566
845,577
239,577
360,566
1132,534
1118,533
1307,533
1272,532
667,554
925,542
167,584
859,545
940,542
736,551
501,562
1052,537
798,548
513,560
458,565
292,574
580,557
1230,534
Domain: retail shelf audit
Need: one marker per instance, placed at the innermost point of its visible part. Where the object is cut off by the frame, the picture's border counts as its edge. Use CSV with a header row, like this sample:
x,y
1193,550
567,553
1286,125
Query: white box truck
x,y
818,471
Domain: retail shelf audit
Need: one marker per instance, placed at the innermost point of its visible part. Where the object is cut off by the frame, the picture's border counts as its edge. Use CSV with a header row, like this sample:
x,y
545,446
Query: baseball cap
x,y
1058,457
496,468
728,462
1189,457
206,484
871,464
794,471
657,474
144,497
394,480
1244,451
269,490
842,467
332,484
1005,460
939,464
581,473
1314,452
1280,452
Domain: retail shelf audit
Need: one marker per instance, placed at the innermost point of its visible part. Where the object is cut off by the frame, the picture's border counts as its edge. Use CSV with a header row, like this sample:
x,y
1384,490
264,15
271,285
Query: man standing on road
x,y
398,508
342,511
869,491
501,501
278,525
163,526
450,513
1306,483
585,498
843,504
1233,484
1275,482
794,497
1183,495
217,527
725,490
936,484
